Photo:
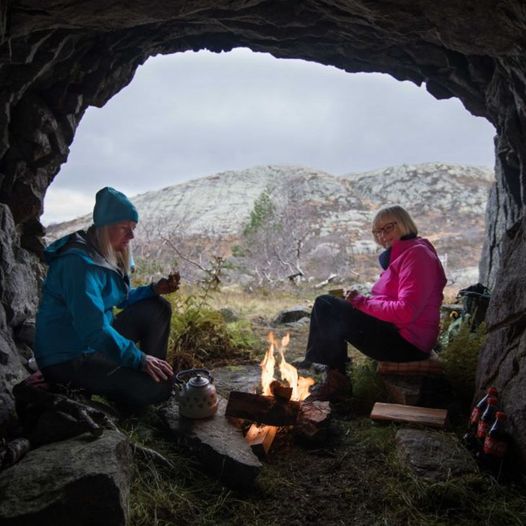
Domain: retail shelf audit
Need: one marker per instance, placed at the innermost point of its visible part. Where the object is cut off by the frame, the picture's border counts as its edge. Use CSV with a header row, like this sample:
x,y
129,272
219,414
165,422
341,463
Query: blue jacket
x,y
76,311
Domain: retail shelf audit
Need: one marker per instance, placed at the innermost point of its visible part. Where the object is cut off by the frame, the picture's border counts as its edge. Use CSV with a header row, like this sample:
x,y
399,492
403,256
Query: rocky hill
x,y
328,217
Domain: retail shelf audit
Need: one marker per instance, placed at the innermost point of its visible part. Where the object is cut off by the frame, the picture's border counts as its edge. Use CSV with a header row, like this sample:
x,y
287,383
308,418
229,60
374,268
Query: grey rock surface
x,y
502,360
80,481
237,378
291,315
18,286
418,390
434,455
219,446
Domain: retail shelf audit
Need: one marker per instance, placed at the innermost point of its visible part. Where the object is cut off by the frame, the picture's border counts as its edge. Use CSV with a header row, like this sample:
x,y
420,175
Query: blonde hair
x,y
406,225
121,260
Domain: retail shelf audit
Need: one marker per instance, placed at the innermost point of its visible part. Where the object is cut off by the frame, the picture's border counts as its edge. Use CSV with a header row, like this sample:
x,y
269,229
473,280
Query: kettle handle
x,y
180,377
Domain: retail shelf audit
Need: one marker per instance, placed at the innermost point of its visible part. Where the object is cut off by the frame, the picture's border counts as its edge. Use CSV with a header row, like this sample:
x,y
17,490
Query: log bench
x,y
421,383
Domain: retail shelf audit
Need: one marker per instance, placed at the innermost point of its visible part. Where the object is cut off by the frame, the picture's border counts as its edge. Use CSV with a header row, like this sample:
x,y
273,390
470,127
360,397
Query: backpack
x,y
475,301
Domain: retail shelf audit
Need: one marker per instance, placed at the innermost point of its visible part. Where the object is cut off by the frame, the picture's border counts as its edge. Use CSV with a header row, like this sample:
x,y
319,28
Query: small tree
x,y
273,240
264,211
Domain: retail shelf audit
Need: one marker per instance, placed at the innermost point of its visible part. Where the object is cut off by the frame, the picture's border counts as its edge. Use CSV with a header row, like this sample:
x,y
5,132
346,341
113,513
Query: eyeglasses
x,y
386,229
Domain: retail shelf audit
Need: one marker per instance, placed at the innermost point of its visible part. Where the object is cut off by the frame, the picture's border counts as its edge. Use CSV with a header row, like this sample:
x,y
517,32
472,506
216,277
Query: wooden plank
x,y
262,409
410,414
260,438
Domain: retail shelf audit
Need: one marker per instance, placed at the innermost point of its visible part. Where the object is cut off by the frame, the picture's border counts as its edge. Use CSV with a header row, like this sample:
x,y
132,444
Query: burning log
x,y
260,438
313,421
262,409
281,391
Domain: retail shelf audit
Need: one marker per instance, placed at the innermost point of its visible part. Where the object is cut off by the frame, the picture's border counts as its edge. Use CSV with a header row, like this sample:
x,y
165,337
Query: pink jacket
x,y
409,293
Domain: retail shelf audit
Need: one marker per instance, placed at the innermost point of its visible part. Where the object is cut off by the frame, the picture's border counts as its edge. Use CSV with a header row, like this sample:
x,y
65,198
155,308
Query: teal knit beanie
x,y
112,206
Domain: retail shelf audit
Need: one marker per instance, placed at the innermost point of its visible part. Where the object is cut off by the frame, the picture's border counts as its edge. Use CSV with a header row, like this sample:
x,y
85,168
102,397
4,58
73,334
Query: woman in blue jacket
x,y
78,340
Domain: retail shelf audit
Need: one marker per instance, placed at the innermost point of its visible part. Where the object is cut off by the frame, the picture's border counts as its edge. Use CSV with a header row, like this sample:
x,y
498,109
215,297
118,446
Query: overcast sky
x,y
190,115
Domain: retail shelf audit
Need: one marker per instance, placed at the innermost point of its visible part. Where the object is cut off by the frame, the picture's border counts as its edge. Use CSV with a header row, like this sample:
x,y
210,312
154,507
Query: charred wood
x,y
281,391
262,409
313,421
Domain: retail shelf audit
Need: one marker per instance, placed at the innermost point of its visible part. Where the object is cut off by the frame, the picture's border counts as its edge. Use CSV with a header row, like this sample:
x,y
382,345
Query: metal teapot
x,y
195,393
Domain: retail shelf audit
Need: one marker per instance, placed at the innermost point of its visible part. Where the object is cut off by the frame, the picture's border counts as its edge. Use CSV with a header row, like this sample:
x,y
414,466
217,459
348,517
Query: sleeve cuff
x,y
142,364
358,300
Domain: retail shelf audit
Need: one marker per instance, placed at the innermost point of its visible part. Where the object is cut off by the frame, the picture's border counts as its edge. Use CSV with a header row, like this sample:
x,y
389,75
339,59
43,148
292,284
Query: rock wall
x,y
18,286
57,58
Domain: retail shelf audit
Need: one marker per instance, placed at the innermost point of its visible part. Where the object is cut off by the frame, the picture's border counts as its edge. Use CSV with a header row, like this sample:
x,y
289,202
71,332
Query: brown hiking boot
x,y
337,386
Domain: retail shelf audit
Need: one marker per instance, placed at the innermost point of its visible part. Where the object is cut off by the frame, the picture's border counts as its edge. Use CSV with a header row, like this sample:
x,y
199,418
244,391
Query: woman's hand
x,y
167,285
351,294
158,369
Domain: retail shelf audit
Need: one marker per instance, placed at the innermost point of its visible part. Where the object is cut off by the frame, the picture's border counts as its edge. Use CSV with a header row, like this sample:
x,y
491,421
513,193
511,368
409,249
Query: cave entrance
x,y
192,115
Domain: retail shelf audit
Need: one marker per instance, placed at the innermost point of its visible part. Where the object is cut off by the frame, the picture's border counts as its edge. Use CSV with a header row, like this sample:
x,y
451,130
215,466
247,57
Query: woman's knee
x,y
324,303
321,301
165,306
160,307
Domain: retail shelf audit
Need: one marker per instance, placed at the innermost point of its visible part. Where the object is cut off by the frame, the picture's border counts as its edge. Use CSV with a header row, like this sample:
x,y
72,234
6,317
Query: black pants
x,y
334,322
147,323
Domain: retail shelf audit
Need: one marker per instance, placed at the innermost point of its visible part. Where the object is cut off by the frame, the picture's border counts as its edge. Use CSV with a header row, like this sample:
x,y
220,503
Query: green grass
x,y
460,358
355,478
367,387
200,336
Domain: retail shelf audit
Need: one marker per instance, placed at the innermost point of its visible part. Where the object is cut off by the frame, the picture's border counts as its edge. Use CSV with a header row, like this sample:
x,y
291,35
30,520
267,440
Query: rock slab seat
x,y
433,455
81,481
219,445
421,383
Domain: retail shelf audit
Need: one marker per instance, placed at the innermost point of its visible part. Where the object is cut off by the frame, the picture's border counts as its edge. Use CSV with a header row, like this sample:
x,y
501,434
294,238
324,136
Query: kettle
x,y
195,393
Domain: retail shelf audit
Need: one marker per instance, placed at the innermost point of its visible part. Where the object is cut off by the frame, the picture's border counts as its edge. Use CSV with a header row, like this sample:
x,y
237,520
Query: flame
x,y
267,366
300,384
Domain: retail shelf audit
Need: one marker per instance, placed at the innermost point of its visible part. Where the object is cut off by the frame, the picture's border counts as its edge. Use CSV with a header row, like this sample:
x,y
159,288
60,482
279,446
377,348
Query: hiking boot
x,y
303,363
336,387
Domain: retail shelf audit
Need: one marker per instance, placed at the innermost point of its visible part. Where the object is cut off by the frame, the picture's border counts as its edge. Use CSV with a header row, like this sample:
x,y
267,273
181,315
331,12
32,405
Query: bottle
x,y
487,419
470,439
480,407
495,444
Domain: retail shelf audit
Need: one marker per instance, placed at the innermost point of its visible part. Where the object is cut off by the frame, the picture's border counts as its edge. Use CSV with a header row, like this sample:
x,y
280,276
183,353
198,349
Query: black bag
x,y
475,301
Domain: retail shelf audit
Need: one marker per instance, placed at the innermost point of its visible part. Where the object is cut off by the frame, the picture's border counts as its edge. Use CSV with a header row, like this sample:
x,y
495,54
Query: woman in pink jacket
x,y
398,322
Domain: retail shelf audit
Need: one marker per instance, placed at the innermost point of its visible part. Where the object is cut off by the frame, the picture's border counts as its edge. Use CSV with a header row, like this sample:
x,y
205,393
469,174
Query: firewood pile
x,y
262,416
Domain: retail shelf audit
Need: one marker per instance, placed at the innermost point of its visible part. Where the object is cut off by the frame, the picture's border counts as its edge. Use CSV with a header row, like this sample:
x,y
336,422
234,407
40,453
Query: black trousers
x,y
334,322
147,323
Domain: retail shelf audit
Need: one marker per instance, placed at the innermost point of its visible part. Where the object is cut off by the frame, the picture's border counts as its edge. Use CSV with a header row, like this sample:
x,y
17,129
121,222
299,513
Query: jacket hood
x,y
401,246
77,243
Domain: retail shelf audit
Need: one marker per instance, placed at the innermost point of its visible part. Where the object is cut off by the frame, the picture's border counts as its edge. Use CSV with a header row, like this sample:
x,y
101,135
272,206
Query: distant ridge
x,y
447,201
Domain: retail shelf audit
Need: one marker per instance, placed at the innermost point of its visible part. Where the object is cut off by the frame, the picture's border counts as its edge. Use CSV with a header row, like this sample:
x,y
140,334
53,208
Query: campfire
x,y
281,402
289,374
